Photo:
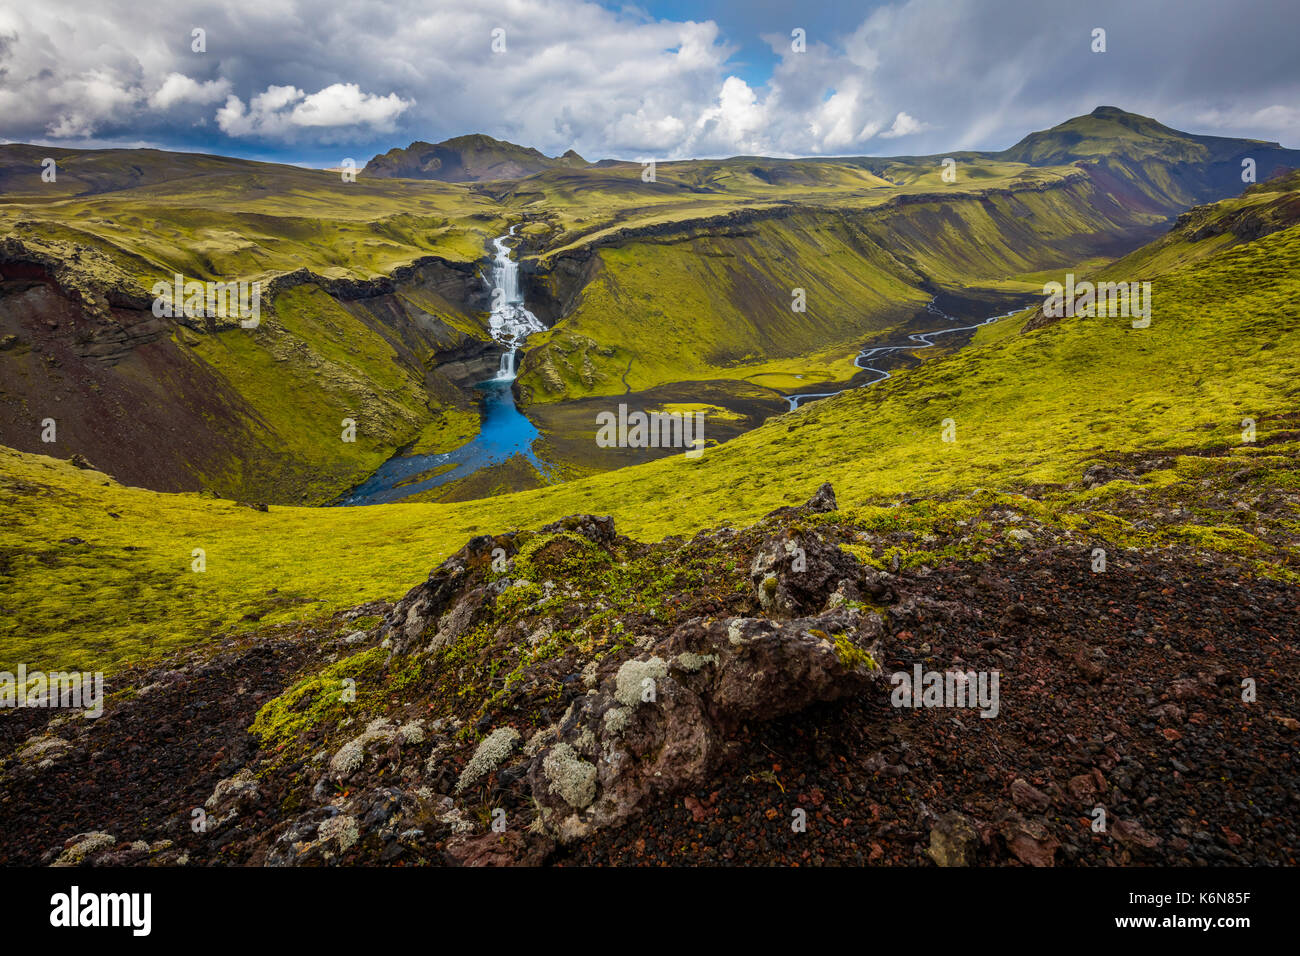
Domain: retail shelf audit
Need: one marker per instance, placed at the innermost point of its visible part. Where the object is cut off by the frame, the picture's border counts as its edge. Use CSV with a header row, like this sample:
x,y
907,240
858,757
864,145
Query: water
x,y
917,340
505,431
510,323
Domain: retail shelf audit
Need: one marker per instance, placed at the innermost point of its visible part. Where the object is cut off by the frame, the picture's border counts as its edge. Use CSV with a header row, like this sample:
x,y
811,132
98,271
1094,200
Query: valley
x,y
395,483
682,289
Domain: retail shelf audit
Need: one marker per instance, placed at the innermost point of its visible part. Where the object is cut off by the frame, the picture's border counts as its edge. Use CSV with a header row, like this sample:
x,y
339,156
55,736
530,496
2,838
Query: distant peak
x,y
473,157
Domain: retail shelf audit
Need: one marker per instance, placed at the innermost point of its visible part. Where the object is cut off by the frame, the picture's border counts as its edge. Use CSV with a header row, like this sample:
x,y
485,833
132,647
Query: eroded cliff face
x,y
180,404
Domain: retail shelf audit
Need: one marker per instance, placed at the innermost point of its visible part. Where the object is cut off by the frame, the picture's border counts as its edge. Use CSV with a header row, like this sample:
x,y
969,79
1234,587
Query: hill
x,y
466,159
1145,156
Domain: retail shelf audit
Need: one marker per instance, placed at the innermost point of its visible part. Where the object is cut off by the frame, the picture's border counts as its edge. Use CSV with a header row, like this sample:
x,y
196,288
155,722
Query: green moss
x,y
562,554
314,701
852,656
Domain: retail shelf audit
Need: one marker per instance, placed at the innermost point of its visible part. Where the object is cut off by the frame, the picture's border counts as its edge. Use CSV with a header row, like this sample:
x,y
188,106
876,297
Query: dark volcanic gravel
x,y
1120,689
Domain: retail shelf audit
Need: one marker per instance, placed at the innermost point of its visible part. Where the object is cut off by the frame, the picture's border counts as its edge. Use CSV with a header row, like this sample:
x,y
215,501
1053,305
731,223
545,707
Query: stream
x,y
916,340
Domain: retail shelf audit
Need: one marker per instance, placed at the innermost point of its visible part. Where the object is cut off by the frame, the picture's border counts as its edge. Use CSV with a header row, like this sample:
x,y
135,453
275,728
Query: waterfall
x,y
510,323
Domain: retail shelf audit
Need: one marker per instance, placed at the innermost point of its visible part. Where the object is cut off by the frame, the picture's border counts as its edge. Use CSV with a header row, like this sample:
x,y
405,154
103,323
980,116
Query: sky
x,y
317,83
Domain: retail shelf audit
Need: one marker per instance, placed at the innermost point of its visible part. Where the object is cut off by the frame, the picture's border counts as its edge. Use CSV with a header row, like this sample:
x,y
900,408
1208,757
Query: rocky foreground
x,y
571,696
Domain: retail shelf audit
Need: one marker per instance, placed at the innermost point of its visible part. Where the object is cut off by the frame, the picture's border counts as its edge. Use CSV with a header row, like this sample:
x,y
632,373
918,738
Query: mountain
x,y
1145,156
466,159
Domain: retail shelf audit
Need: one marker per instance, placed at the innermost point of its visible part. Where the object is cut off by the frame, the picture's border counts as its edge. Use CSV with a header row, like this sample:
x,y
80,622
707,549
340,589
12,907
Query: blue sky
x,y
317,82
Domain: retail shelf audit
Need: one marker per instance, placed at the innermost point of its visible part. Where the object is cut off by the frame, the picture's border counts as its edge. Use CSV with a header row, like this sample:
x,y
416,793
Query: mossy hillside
x,y
724,299
1169,168
1029,410
972,243
1210,229
599,204
302,374
1106,132
719,307
317,699
449,429
211,217
1190,502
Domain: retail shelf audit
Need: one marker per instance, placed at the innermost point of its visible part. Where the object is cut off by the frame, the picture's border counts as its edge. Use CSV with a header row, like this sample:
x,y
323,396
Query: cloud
x,y
343,104
179,88
904,125
280,109
934,75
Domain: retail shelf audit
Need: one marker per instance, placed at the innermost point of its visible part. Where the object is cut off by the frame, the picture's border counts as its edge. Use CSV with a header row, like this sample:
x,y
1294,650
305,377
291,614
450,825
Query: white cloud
x,y
280,109
343,104
179,88
945,74
904,125
87,99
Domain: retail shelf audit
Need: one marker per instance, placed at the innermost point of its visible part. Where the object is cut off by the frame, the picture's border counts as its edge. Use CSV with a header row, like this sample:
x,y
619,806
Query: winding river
x,y
505,431
917,340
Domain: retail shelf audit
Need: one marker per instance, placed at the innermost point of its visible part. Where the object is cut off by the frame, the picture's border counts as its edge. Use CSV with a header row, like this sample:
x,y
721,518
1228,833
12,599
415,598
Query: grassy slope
x,y
1207,230
211,217
721,297
302,377
1224,344
721,307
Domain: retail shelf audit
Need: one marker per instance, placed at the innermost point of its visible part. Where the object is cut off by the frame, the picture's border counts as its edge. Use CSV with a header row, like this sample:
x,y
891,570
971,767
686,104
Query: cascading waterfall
x,y
504,433
510,323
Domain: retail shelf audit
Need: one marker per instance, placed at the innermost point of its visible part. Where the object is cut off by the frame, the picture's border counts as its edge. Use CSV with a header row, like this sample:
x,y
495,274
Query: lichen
x,y
351,755
342,828
617,719
629,683
573,778
490,753
692,662
85,845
